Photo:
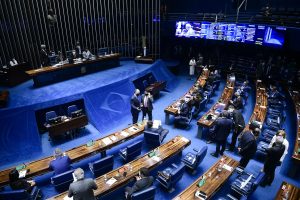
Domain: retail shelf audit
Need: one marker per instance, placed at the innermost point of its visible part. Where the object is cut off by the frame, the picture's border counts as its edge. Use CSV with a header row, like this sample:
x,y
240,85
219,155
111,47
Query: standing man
x,y
247,145
192,67
135,106
82,188
281,133
61,162
272,161
239,125
147,106
222,129
44,56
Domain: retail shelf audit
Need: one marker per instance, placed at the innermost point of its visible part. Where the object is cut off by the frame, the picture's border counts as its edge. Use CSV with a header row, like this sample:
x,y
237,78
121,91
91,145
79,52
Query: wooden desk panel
x,y
214,180
73,123
223,101
167,150
36,72
260,109
173,108
156,87
41,166
293,193
296,99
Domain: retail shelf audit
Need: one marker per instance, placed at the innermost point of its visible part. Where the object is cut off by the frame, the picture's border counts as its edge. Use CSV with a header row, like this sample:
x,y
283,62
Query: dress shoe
x,y
214,155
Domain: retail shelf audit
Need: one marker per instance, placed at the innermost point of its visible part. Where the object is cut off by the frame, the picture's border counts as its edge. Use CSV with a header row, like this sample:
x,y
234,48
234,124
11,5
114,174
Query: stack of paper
x,y
156,158
68,198
22,173
111,181
124,133
227,167
184,139
113,138
156,123
106,141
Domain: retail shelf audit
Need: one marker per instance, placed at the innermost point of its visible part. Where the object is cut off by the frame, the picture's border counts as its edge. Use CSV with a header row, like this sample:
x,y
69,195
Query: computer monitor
x,y
102,51
77,113
69,54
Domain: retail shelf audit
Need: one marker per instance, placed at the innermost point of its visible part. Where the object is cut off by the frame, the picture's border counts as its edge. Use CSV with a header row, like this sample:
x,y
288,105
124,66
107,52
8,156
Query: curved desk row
x,y
167,150
288,192
296,99
212,180
210,116
41,166
173,108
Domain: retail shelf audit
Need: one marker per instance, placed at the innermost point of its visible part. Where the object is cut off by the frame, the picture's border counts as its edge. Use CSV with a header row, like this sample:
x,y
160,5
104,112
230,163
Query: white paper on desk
x,y
156,158
184,139
68,198
106,141
22,173
156,123
227,167
133,129
113,138
111,181
124,133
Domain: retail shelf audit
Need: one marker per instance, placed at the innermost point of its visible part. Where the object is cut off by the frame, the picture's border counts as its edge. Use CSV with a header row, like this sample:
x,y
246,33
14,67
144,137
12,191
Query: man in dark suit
x,y
222,128
239,125
61,163
272,160
143,181
135,106
247,145
237,102
183,112
147,106
82,188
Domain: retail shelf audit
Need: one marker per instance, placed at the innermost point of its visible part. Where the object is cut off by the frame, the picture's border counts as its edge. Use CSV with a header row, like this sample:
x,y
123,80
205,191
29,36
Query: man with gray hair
x,y
61,162
82,189
272,160
135,106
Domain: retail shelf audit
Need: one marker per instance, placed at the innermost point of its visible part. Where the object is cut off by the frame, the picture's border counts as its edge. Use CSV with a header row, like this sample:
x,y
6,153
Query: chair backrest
x,y
152,138
62,181
71,109
103,165
134,150
50,115
146,194
201,155
177,174
15,195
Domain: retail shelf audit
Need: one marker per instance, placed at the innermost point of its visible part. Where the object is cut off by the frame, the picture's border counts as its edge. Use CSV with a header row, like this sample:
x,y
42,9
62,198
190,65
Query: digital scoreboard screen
x,y
244,33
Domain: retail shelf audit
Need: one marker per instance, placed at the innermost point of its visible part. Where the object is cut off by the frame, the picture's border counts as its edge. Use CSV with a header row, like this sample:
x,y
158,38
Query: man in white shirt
x,y
281,133
192,67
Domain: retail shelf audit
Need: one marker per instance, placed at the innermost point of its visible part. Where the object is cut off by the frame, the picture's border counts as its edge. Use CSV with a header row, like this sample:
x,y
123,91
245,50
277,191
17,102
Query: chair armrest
x,y
196,150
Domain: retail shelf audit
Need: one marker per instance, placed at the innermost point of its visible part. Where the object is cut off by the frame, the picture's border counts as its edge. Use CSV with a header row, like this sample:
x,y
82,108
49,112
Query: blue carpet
x,y
181,87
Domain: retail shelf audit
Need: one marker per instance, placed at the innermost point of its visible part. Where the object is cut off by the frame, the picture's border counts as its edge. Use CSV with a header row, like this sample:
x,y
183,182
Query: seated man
x,y
17,183
152,128
237,102
143,181
183,111
61,162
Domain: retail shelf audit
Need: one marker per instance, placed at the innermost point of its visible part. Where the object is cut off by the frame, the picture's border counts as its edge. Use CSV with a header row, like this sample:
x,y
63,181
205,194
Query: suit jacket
x,y
273,157
222,128
184,109
83,189
20,184
60,164
135,104
238,119
149,102
140,185
248,144
238,103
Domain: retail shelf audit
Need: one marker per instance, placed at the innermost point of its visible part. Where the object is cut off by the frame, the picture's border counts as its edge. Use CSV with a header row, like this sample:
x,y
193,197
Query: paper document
x,y
113,138
106,141
156,123
156,158
22,173
125,134
133,129
68,198
111,181
184,139
227,167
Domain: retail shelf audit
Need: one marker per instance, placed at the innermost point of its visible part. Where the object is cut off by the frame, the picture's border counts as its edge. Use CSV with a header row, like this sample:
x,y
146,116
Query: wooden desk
x,y
260,109
167,150
41,166
67,125
173,108
156,87
52,74
296,99
293,193
216,109
214,180
14,75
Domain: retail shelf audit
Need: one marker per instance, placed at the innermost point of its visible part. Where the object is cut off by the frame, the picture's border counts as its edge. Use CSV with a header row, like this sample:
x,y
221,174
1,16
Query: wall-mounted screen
x,y
244,33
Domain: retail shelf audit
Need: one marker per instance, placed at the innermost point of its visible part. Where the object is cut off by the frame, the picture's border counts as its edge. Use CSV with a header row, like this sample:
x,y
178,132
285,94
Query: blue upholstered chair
x,y
62,181
20,194
154,137
183,121
244,188
50,115
131,151
146,194
170,176
102,166
192,160
71,109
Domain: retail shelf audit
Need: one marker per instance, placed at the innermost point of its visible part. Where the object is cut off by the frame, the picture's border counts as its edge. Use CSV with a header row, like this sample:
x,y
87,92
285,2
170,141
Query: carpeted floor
x,y
165,99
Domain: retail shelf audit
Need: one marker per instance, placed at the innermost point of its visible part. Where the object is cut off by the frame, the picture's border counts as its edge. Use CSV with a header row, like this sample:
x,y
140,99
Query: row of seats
x,y
52,114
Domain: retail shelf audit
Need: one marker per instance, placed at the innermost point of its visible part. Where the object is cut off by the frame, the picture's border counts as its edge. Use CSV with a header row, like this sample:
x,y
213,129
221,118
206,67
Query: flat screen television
x,y
242,33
